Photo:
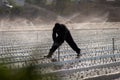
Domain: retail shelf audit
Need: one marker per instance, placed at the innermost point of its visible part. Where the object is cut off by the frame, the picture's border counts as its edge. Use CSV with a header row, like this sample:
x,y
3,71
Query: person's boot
x,y
49,55
79,53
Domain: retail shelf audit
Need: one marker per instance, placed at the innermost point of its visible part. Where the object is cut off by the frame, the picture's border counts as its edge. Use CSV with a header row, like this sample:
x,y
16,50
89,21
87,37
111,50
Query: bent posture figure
x,y
61,34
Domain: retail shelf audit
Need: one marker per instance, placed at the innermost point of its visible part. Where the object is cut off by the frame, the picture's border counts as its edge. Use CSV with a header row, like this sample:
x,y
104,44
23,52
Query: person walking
x,y
59,35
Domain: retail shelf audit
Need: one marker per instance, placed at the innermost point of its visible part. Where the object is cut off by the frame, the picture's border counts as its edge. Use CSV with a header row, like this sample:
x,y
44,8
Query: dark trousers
x,y
69,40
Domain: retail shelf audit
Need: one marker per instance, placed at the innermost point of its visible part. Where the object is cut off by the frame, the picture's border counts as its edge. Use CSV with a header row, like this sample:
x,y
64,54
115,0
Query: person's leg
x,y
53,49
72,44
74,47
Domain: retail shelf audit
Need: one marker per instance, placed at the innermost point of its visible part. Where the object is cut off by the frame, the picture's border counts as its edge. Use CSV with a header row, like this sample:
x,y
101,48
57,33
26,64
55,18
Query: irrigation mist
x,y
28,30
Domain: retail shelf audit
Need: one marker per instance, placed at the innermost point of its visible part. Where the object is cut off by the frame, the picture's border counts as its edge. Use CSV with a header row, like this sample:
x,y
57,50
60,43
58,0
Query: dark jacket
x,y
59,32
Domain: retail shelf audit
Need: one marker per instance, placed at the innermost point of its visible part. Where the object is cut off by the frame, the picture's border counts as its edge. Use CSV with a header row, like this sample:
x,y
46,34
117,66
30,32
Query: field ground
x,y
26,43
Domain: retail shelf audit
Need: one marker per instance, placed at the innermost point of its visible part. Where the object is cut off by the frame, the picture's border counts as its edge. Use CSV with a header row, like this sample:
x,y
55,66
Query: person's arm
x,y
54,35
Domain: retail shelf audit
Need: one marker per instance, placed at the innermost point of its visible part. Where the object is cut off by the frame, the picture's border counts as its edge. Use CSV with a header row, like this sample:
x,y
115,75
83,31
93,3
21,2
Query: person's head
x,y
57,24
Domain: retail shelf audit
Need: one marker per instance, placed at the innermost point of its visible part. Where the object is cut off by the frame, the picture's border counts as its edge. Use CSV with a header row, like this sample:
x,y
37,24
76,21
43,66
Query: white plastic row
x,y
87,72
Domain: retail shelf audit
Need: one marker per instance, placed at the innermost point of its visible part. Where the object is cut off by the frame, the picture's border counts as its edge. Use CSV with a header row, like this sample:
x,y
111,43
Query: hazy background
x,y
39,14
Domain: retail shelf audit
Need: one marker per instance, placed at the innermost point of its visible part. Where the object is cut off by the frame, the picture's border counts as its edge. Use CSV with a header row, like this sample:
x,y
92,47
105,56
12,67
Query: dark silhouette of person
x,y
61,34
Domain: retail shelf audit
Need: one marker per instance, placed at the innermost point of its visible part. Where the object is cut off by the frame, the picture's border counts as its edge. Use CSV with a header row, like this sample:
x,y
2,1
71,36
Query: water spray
x,y
8,5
